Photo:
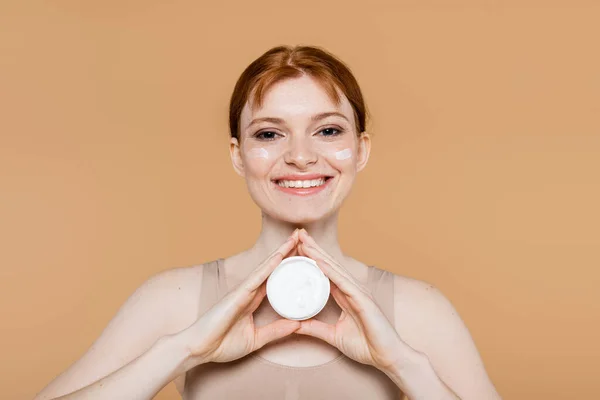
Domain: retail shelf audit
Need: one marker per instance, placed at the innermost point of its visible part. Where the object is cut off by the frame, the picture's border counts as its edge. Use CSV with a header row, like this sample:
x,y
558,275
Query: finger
x,y
301,251
340,298
273,331
261,292
260,274
305,238
294,252
344,284
283,249
318,329
312,252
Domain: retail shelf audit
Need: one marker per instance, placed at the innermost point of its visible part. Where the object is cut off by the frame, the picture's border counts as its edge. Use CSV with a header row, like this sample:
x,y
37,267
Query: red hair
x,y
284,62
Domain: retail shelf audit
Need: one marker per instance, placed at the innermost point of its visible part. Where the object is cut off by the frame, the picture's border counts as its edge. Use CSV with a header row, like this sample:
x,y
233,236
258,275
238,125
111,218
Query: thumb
x,y
318,329
273,331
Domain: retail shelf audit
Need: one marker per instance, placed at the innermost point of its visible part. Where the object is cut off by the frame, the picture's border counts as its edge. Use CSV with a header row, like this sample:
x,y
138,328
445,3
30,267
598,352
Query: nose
x,y
300,152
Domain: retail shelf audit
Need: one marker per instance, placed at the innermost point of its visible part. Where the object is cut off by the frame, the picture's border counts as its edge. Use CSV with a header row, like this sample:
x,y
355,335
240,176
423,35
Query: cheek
x,y
258,161
343,154
259,152
340,157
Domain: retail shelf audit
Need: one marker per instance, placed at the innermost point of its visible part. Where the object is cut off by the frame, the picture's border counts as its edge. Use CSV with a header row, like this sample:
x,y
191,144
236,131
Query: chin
x,y
298,210
297,217
302,220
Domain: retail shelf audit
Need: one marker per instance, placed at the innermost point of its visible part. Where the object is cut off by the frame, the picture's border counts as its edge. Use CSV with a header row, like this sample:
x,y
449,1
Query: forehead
x,y
295,98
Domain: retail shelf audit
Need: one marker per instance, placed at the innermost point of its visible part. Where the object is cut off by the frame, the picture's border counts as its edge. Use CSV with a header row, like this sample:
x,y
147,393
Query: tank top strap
x,y
381,285
213,285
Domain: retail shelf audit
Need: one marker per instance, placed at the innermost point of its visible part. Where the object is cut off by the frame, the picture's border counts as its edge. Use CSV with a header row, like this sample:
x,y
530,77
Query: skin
x,y
157,335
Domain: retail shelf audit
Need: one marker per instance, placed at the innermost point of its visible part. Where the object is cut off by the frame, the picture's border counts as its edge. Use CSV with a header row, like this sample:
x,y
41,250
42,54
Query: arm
x,y
157,335
415,376
139,345
143,377
443,357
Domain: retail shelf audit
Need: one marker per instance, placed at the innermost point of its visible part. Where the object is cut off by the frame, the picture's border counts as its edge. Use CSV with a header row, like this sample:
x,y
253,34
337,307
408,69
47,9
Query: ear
x,y
236,156
364,150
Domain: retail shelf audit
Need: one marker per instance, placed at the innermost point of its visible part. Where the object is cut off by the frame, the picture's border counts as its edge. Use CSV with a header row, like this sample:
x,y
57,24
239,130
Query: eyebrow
x,y
314,118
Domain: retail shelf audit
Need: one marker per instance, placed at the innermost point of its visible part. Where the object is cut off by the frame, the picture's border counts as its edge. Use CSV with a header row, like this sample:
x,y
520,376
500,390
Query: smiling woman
x,y
298,138
304,111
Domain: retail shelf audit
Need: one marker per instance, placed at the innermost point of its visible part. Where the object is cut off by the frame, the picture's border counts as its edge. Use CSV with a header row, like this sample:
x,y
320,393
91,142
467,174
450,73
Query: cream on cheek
x,y
340,150
337,154
259,161
343,154
258,152
264,153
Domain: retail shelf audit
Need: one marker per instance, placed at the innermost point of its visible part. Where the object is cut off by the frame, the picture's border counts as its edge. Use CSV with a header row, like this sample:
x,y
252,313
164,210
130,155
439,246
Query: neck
x,y
274,232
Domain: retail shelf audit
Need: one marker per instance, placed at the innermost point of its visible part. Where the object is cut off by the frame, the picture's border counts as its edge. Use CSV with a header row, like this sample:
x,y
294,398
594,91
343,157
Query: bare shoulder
x,y
169,297
428,322
164,304
418,301
419,306
178,289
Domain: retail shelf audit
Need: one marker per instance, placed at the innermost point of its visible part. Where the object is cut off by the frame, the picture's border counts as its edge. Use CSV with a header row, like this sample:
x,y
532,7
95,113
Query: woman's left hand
x,y
362,332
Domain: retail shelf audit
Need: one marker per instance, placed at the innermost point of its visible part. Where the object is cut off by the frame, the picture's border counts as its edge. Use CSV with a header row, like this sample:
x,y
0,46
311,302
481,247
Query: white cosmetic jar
x,y
297,289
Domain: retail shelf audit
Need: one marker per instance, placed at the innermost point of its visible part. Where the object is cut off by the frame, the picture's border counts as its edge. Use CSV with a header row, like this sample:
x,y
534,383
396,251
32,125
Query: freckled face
x,y
299,152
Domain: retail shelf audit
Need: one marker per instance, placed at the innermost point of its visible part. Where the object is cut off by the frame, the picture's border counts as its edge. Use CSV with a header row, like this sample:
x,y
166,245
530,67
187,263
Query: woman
x,y
298,137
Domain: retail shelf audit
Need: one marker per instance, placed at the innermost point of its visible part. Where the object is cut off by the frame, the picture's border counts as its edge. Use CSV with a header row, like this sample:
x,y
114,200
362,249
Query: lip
x,y
303,191
304,177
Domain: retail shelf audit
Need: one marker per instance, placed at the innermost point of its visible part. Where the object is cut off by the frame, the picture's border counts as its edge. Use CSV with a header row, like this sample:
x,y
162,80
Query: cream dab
x,y
343,154
258,153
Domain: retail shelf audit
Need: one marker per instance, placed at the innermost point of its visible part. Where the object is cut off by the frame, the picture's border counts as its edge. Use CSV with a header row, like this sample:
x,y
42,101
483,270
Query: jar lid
x,y
297,289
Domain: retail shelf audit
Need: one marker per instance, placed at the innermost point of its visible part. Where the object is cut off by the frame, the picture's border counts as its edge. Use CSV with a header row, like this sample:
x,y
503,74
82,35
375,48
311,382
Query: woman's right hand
x,y
226,331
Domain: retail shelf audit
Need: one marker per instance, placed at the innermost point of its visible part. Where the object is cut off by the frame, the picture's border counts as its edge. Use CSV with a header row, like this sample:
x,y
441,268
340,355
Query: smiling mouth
x,y
302,184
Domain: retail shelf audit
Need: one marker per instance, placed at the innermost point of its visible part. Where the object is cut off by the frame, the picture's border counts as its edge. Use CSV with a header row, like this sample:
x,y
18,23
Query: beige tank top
x,y
253,377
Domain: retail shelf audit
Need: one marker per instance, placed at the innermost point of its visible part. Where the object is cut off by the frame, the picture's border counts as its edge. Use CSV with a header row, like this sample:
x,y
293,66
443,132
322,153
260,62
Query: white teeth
x,y
301,184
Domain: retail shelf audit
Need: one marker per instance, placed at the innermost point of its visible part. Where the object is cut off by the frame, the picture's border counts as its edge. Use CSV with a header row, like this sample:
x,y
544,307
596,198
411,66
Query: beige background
x,y
484,177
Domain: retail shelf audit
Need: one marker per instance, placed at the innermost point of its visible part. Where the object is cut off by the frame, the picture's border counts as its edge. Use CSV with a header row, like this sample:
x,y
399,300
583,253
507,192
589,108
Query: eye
x,y
266,135
331,131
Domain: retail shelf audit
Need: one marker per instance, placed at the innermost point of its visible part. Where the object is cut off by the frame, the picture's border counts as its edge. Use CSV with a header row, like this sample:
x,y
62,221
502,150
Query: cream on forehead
x,y
258,153
343,154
